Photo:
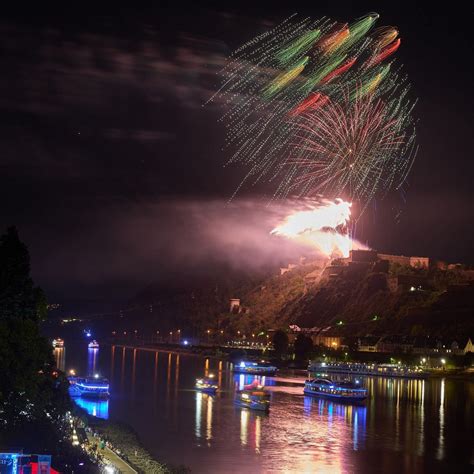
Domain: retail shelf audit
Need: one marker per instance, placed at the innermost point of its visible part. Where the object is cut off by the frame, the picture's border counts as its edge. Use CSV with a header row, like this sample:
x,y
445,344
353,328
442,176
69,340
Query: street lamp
x,y
443,362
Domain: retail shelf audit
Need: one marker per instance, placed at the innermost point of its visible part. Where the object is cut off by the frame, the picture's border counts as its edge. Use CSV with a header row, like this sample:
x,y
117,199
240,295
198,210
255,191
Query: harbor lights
x,y
72,372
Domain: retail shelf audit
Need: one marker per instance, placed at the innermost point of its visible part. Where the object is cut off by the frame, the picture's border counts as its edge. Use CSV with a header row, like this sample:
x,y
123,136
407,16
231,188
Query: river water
x,y
405,426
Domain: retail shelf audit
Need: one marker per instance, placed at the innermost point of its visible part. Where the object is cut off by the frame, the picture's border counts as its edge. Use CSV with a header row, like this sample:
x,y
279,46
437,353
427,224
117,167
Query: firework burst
x,y
306,71
359,146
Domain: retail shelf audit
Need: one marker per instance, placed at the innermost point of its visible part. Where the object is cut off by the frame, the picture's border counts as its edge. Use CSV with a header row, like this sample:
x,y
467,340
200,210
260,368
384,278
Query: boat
x,y
341,391
57,343
93,344
253,396
207,384
356,368
255,368
89,387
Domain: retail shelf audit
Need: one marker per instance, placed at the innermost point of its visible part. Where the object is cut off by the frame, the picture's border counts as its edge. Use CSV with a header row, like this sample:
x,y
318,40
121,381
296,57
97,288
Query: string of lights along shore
x,y
320,107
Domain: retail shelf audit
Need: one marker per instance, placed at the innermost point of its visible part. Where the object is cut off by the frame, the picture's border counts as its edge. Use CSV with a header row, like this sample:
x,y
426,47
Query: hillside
x,y
365,299
369,298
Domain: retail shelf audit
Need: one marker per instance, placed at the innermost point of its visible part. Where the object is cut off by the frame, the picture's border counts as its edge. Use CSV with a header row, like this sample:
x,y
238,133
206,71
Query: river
x,y
410,426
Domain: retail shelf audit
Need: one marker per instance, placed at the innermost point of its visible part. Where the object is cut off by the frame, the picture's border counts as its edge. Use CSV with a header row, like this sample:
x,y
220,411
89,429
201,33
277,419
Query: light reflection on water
x,y
98,408
92,355
429,422
60,357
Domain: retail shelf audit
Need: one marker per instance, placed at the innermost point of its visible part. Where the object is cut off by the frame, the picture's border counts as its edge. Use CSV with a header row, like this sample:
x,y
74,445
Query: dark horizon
x,y
110,161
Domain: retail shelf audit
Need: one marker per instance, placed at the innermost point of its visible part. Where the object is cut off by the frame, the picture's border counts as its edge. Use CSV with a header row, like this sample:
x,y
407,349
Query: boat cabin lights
x,y
242,364
245,395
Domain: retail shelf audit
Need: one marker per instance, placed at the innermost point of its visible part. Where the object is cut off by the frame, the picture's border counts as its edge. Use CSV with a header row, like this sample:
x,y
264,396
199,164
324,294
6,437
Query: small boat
x,y
57,343
93,344
255,368
207,384
253,396
89,387
341,391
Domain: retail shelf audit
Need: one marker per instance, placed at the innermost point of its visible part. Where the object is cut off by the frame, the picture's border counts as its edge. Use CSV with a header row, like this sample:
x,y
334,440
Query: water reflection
x,y
98,408
176,374
244,421
92,356
440,451
204,411
210,401
122,370
134,368
335,415
419,418
197,429
60,357
251,429
112,362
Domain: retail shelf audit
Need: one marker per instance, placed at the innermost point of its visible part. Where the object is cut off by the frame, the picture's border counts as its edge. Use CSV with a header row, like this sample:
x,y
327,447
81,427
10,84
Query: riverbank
x,y
198,351
128,447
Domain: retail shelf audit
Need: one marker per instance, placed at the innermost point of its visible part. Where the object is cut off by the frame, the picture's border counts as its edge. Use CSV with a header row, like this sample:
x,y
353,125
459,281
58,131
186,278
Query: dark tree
x,y
280,342
30,388
303,346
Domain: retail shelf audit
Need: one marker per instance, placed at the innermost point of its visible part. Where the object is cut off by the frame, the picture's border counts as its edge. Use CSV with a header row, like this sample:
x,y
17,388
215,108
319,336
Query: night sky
x,y
113,171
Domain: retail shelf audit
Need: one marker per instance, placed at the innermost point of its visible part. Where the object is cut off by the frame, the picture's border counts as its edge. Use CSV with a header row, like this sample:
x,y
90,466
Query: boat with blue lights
x,y
255,368
340,391
254,397
89,387
207,384
93,344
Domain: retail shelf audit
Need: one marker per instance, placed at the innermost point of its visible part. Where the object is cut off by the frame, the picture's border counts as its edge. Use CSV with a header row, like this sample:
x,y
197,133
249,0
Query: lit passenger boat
x,y
93,344
89,387
57,343
341,391
207,384
254,368
356,368
253,396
